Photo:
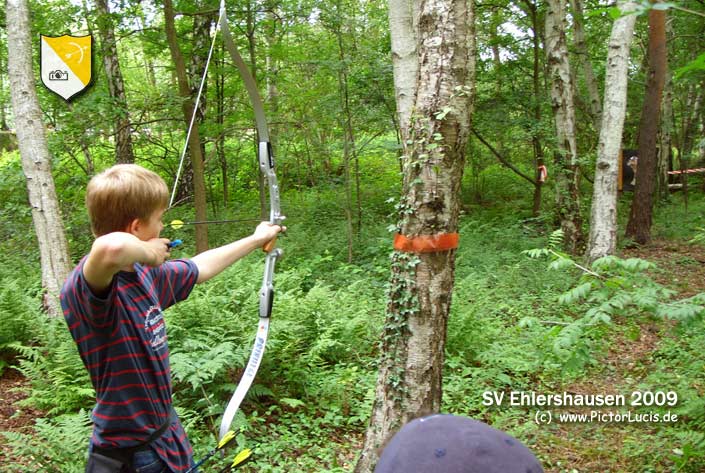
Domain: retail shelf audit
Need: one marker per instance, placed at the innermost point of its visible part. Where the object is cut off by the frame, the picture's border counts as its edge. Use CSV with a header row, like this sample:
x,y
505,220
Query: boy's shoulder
x,y
74,277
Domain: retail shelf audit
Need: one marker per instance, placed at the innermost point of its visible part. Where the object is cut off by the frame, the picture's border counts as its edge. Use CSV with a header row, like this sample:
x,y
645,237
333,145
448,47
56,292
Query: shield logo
x,y
66,64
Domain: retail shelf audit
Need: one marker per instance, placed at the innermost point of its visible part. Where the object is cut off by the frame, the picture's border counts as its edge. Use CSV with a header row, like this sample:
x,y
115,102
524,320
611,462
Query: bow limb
x,y
266,164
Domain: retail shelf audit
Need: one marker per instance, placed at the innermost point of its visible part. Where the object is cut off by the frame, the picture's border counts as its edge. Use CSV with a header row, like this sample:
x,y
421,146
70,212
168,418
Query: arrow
x,y
224,442
240,459
176,224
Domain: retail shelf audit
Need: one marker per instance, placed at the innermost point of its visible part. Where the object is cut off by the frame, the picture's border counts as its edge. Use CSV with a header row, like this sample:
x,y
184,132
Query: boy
x,y
113,302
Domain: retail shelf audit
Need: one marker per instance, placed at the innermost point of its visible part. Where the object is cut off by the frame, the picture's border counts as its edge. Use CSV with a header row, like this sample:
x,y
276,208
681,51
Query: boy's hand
x,y
266,232
157,251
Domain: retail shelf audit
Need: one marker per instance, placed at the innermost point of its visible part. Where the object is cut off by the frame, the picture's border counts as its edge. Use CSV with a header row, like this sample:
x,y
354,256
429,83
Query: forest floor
x,y
600,447
574,447
14,418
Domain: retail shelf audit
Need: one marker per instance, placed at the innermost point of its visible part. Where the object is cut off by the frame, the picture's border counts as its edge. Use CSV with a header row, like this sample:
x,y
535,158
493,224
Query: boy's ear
x,y
134,226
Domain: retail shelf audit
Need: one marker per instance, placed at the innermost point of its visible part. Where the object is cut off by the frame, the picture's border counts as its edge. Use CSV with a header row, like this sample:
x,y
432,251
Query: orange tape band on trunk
x,y
426,243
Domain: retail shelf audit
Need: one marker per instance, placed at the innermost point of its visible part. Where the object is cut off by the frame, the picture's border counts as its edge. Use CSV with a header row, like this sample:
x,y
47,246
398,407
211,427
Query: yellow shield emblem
x,y
66,64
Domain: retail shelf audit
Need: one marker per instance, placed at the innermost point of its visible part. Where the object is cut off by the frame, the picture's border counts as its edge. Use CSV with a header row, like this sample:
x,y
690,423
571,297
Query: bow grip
x,y
269,246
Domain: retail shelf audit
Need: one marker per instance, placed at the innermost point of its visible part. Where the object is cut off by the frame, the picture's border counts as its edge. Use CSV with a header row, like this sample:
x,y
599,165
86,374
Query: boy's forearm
x,y
212,262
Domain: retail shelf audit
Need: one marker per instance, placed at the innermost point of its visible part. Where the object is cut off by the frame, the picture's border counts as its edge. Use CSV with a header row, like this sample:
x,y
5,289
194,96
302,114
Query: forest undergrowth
x,y
518,323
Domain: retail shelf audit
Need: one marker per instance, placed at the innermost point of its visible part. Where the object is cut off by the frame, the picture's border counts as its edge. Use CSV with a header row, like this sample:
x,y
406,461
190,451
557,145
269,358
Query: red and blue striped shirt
x,y
123,343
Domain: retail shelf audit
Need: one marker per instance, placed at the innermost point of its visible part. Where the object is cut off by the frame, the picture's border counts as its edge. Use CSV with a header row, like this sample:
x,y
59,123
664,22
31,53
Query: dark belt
x,y
126,454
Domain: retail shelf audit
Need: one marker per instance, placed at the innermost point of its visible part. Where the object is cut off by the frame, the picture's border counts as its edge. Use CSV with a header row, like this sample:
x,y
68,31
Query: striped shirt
x,y
123,343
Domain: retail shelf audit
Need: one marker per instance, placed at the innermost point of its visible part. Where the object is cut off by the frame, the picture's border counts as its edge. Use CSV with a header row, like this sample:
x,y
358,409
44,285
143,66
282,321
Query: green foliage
x,y
60,383
62,440
513,325
697,64
610,287
20,321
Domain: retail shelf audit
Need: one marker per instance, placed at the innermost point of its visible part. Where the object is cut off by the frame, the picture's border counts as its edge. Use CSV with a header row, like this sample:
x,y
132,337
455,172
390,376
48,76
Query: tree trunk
x,y
595,106
251,49
148,63
194,144
536,130
403,21
201,44
116,86
639,225
220,120
351,168
603,218
3,112
36,162
566,154
665,139
410,374
199,55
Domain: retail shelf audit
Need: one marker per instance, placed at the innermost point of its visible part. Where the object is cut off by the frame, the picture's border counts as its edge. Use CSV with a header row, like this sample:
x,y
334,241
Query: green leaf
x,y
291,402
575,294
697,64
662,6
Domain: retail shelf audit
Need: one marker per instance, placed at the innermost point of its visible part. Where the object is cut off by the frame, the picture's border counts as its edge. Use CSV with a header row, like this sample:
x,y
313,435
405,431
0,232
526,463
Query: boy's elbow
x,y
109,251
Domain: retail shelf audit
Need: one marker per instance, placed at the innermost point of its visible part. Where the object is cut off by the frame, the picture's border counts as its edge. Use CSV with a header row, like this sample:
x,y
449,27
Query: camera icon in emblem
x,y
58,75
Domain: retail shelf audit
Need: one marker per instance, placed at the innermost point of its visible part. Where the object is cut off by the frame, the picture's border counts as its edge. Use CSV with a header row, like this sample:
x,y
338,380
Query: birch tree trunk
x,y
436,134
403,21
639,225
603,217
194,143
566,154
116,85
36,162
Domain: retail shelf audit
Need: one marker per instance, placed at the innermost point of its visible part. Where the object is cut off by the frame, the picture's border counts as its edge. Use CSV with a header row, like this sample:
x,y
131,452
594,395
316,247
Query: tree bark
x,y
595,105
639,225
351,167
665,139
403,21
116,85
566,154
3,112
148,63
220,120
603,218
410,373
194,144
36,161
536,106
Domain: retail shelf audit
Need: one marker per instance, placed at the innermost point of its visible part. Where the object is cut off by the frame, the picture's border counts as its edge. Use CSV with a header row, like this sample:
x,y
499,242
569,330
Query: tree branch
x,y
501,158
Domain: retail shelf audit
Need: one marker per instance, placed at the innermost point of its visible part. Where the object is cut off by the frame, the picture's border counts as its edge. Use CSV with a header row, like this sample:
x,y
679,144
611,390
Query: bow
x,y
266,164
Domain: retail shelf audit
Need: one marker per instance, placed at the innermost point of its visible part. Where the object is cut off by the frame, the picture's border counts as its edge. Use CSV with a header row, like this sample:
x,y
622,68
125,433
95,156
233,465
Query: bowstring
x,y
195,110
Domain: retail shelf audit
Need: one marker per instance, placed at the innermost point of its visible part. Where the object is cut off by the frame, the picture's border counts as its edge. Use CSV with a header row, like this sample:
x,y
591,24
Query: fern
x,y
54,446
60,383
20,312
575,294
611,286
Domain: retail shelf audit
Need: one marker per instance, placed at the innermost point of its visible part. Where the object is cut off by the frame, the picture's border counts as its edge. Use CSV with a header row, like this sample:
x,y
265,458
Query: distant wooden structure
x,y
626,175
